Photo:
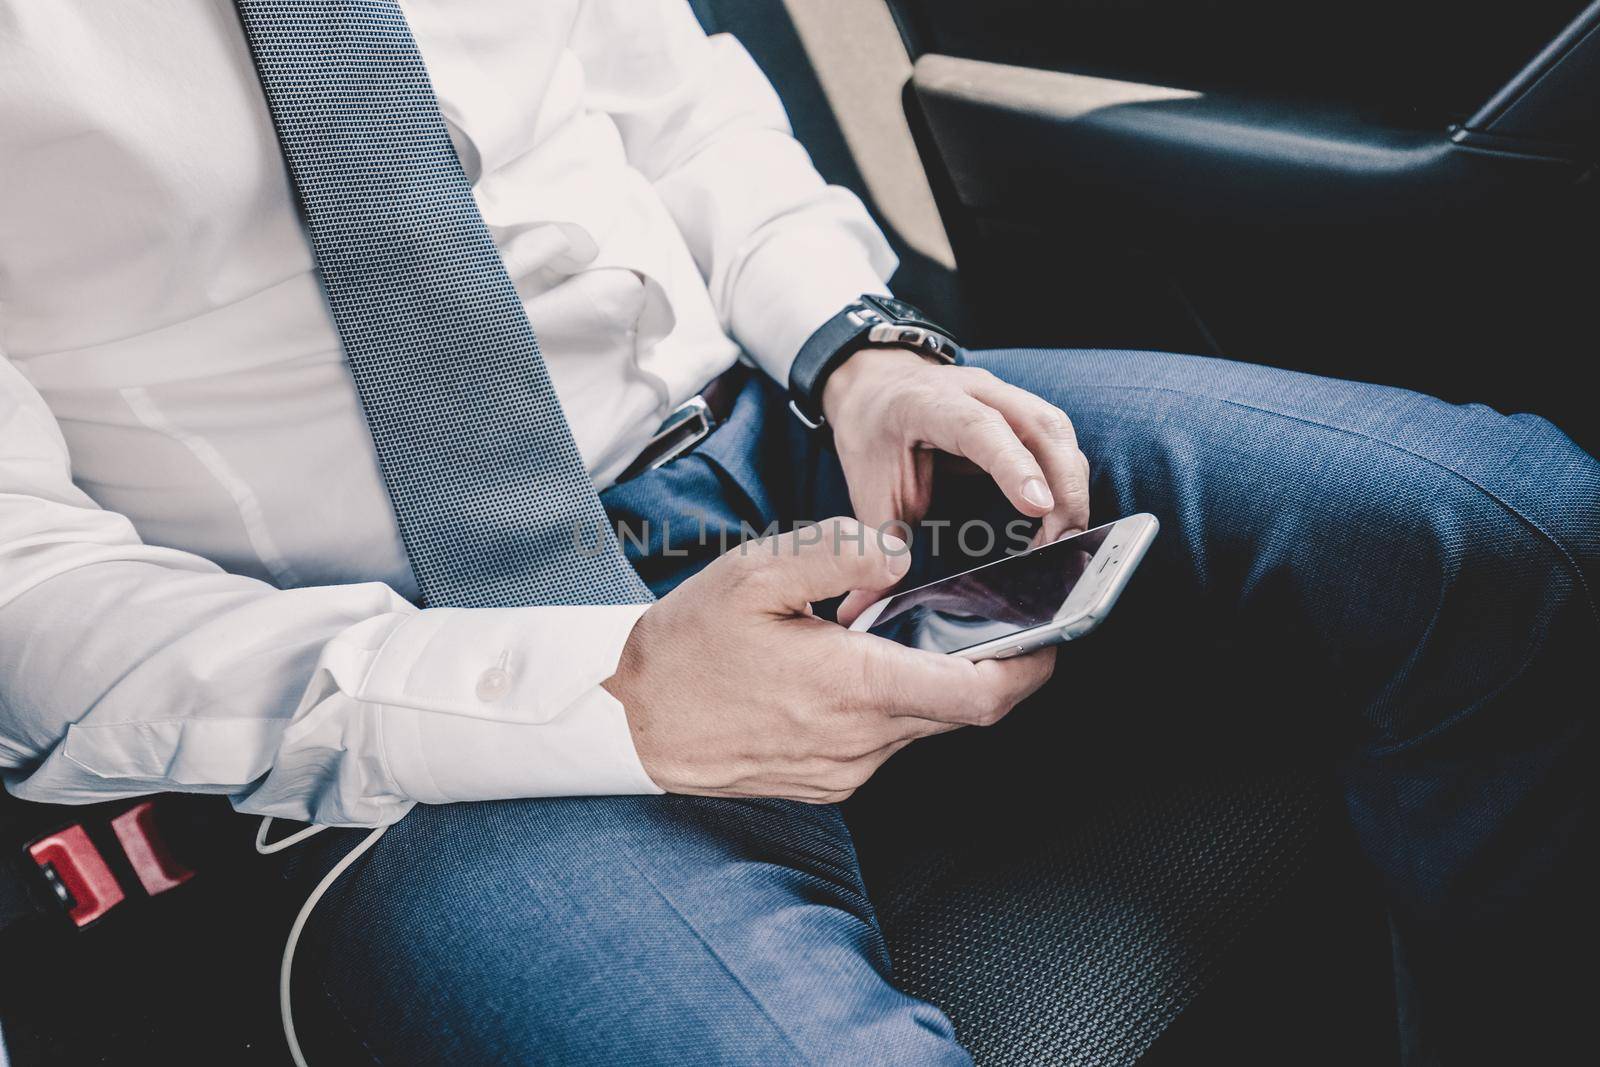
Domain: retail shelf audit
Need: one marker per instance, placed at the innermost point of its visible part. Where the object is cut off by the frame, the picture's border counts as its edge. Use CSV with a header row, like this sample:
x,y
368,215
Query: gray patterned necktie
x,y
491,495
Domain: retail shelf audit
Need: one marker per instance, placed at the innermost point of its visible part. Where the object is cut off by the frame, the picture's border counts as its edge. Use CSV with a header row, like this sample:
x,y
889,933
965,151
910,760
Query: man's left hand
x,y
892,410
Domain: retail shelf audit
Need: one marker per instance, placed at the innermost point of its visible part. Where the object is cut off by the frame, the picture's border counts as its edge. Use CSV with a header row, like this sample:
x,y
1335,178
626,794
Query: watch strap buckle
x,y
806,420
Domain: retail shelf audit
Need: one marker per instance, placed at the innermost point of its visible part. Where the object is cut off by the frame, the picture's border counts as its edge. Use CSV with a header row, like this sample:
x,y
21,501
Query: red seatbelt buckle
x,y
77,874
147,851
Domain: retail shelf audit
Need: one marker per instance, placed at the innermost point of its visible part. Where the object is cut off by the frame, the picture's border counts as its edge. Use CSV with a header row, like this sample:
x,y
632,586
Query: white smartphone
x,y
1054,593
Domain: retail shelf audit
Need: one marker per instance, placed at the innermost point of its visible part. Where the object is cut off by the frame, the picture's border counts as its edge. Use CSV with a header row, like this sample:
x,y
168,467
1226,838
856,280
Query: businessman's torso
x,y
157,287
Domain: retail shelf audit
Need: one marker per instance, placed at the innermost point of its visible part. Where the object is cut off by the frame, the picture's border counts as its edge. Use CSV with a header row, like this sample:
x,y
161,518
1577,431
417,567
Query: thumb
x,y
829,559
858,601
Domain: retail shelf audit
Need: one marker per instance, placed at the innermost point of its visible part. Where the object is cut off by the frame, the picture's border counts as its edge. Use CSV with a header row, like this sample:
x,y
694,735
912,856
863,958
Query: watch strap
x,y
871,320
834,341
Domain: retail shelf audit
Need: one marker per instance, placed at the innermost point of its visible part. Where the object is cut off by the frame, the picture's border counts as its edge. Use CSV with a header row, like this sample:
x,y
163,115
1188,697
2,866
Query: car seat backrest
x,y
839,67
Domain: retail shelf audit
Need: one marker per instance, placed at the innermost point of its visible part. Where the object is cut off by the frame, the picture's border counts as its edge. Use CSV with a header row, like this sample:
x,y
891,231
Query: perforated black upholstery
x,y
1085,950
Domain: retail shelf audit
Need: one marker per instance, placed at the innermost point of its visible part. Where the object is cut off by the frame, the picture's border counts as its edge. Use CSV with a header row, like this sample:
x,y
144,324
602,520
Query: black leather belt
x,y
691,423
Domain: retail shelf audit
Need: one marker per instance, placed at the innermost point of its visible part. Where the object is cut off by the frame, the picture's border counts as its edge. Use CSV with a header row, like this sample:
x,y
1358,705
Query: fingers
x,y
1018,678
978,431
1047,433
890,496
882,494
822,561
910,683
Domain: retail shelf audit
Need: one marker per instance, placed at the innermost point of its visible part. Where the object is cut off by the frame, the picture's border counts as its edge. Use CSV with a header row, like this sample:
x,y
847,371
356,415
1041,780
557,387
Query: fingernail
x,y
1035,492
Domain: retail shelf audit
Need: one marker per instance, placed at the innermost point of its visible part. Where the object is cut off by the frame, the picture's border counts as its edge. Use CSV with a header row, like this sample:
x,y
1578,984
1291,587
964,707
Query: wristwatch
x,y
872,320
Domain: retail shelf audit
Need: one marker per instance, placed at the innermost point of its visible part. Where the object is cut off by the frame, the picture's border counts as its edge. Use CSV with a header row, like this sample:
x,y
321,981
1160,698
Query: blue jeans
x,y
1402,587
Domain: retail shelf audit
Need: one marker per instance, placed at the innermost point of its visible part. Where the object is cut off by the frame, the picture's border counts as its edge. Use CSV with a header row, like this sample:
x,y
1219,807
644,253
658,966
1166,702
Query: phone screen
x,y
992,602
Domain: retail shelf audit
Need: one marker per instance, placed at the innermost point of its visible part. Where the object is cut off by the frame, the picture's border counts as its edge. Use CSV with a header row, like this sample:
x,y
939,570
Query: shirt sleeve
x,y
126,668
780,249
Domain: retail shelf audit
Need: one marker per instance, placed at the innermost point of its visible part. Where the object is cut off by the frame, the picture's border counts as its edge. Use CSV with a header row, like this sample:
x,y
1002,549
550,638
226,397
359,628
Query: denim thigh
x,y
617,930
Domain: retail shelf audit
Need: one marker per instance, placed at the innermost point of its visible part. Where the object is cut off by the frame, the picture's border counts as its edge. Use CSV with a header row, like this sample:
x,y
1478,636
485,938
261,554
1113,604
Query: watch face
x,y
898,310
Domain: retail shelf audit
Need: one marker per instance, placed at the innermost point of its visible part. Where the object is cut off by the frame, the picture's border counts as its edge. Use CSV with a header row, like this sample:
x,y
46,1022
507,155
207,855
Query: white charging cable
x,y
287,968
288,842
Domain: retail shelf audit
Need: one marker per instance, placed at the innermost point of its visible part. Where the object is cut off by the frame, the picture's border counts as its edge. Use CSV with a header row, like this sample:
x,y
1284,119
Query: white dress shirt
x,y
201,583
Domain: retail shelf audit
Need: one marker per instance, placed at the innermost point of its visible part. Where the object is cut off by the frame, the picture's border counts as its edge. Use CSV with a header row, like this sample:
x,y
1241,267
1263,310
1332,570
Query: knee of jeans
x,y
1557,490
1552,488
1498,564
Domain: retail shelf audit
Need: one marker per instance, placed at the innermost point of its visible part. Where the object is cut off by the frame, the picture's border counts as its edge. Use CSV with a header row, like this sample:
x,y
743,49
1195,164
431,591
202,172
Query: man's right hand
x,y
733,688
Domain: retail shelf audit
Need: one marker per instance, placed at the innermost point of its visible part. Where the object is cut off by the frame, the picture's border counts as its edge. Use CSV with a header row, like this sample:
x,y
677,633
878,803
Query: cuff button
x,y
494,683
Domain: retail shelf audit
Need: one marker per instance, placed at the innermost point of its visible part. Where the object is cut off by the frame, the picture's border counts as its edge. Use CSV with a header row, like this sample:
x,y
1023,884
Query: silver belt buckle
x,y
682,430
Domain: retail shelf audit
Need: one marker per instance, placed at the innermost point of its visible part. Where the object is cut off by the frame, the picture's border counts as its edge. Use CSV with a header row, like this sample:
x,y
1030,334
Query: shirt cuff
x,y
801,276
504,703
